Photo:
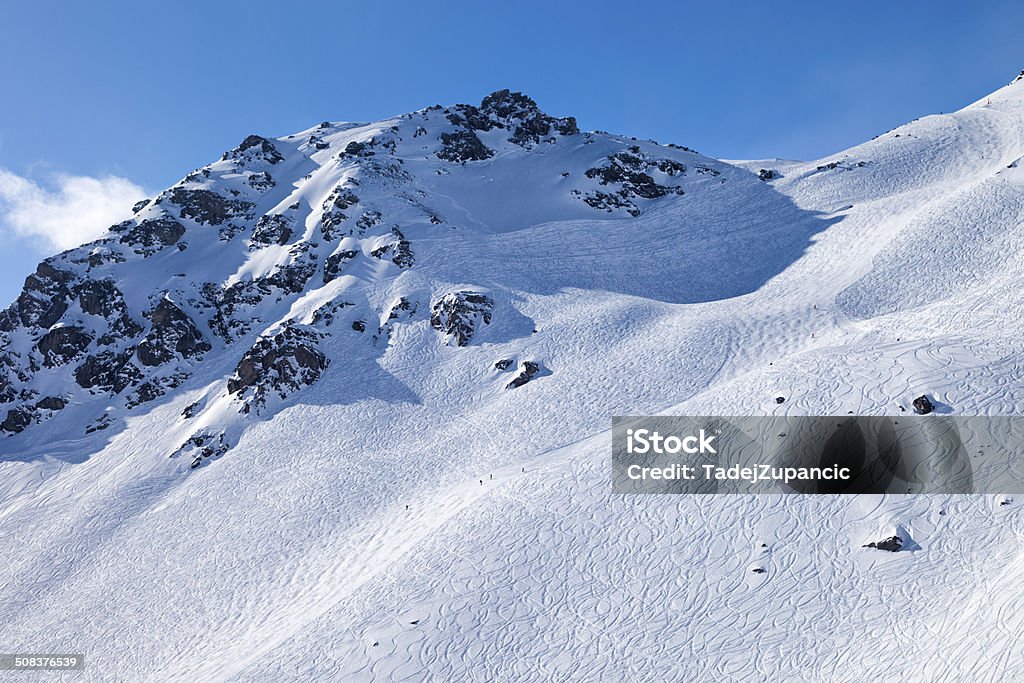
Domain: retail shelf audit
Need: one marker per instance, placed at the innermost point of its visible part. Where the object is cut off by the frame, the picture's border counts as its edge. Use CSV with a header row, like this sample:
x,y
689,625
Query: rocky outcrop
x,y
458,316
17,420
280,364
324,315
254,148
336,262
261,182
502,109
42,301
630,173
202,445
462,146
154,234
61,345
333,215
527,371
292,277
399,250
208,207
51,403
172,335
108,371
892,544
272,228
923,406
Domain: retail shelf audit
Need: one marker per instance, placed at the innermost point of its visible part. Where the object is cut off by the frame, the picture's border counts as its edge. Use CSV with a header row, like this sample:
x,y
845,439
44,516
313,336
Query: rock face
x,y
278,364
398,250
255,148
766,174
61,345
208,207
462,146
252,261
628,174
17,420
457,316
335,263
271,229
154,234
527,371
892,544
42,301
923,406
108,371
172,334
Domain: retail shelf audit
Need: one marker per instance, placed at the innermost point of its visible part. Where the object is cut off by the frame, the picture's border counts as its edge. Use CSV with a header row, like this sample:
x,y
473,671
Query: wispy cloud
x,y
69,210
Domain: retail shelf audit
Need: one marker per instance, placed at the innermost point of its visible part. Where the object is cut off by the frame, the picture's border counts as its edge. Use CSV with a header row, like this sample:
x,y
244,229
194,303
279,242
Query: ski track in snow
x,y
295,556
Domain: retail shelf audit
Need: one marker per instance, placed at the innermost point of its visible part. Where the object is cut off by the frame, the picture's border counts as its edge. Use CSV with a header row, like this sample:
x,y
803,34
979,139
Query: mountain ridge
x,y
406,514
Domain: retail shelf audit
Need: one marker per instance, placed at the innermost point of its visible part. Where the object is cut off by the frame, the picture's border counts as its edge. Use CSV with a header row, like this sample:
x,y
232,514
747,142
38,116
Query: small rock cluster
x,y
458,315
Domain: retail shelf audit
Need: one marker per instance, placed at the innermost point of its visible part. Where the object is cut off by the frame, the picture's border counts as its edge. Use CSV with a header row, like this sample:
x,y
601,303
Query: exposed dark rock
x,y
767,174
61,345
172,334
228,322
282,363
780,399
457,315
293,277
261,182
271,228
520,113
191,410
205,206
892,544
527,371
17,420
358,149
359,325
369,219
154,233
630,171
99,424
759,570
843,165
333,212
336,262
144,393
108,371
400,250
503,364
325,314
51,403
100,297
139,206
42,301
103,298
462,146
922,406
255,148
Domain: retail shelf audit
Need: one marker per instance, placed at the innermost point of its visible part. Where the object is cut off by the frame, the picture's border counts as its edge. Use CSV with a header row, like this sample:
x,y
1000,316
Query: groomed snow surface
x,y
407,518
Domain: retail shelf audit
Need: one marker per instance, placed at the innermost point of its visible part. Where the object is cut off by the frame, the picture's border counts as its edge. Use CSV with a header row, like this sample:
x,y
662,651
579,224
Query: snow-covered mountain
x,y
337,407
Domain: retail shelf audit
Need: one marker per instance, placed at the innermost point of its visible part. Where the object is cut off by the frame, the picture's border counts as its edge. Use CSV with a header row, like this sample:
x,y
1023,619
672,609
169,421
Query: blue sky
x,y
110,100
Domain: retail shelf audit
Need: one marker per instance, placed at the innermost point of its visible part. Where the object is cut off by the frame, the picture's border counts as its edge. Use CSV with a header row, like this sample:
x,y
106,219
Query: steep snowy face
x,y
258,273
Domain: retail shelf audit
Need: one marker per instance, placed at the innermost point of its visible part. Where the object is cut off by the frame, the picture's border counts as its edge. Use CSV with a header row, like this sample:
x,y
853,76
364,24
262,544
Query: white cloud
x,y
74,210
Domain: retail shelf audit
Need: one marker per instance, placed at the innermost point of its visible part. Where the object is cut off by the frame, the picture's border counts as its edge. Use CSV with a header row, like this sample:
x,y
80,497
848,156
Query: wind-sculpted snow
x,y
398,505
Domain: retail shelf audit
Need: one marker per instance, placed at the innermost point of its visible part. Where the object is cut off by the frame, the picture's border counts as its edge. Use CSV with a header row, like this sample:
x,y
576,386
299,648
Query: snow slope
x,y
386,509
